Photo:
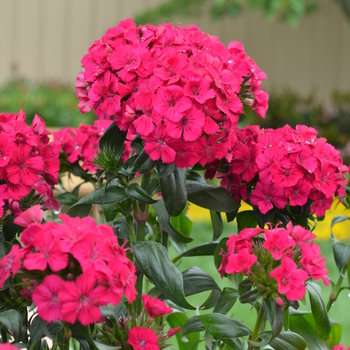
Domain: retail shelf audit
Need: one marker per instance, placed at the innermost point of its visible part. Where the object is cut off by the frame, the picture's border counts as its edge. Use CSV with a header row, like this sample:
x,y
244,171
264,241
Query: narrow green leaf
x,y
231,215
335,335
200,250
246,219
164,222
113,138
155,264
288,341
136,192
144,163
101,346
319,310
227,300
178,319
341,254
82,334
35,333
67,198
104,195
210,196
249,297
164,170
173,189
2,244
11,320
304,325
274,315
217,224
80,210
182,223
196,281
223,327
50,329
191,326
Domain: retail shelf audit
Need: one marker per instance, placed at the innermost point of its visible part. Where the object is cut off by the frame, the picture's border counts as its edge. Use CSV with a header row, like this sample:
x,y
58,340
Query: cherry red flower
x,y
141,338
155,307
290,280
45,297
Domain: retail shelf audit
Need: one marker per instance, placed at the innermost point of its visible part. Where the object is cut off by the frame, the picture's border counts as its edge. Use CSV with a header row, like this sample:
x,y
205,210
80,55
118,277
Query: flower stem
x,y
257,327
336,288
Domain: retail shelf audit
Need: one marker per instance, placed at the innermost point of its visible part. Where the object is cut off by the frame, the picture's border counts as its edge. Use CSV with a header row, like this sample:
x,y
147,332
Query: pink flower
x,y
45,297
32,215
313,262
340,347
141,338
277,241
240,262
171,102
266,195
199,89
81,299
10,263
7,346
290,280
155,307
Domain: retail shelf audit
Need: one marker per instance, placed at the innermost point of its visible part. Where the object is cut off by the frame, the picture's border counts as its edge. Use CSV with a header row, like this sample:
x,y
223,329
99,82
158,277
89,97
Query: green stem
x,y
336,288
140,236
257,327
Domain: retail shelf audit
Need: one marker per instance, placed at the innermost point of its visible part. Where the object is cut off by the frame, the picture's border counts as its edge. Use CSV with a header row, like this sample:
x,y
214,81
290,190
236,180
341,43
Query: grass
x,y
202,233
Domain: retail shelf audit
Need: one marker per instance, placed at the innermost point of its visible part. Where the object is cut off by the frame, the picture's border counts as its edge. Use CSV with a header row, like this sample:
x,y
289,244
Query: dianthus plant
x,y
168,102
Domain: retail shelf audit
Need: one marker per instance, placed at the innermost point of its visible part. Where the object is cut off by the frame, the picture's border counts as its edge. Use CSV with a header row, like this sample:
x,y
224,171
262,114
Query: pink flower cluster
x,y
340,347
180,89
78,265
81,144
279,263
27,161
284,166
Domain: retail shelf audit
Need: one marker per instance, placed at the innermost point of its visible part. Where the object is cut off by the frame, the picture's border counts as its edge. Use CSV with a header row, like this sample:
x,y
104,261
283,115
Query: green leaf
x,y
227,300
101,346
104,195
262,219
246,219
136,192
182,223
200,250
223,327
304,325
191,326
231,215
319,310
335,335
36,333
113,138
67,198
274,314
217,224
341,254
154,262
249,297
178,319
288,341
11,320
211,197
164,170
196,281
144,163
50,329
173,189
164,222
82,334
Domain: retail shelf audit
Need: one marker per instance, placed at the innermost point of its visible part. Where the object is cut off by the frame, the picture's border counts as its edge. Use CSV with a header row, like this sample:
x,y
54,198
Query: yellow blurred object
x,y
323,229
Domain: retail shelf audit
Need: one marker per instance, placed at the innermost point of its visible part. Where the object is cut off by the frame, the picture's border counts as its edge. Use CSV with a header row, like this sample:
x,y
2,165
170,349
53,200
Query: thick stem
x,y
257,327
336,288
